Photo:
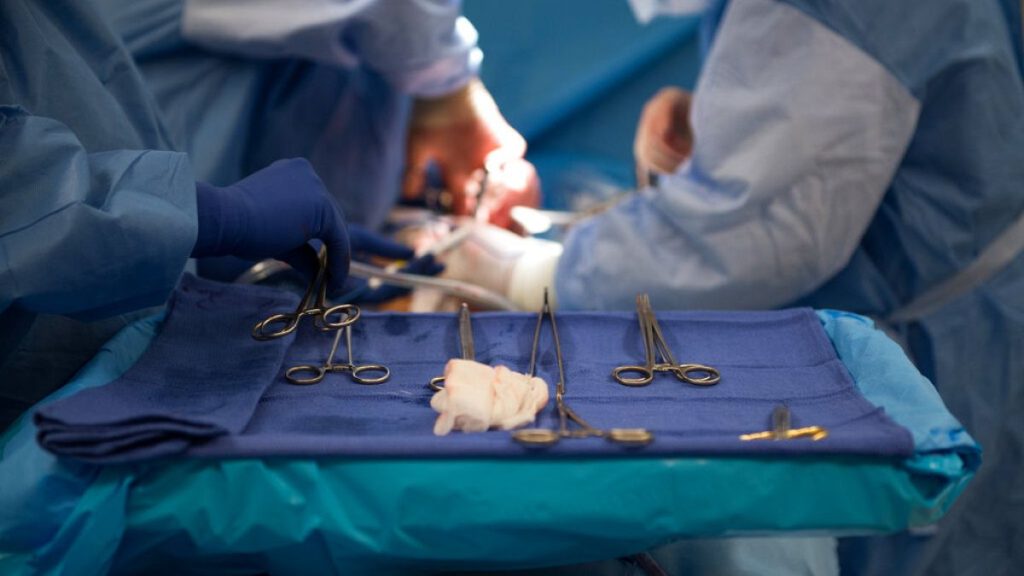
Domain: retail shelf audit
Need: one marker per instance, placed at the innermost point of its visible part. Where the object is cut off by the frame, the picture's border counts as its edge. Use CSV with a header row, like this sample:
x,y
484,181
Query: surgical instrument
x,y
439,199
654,343
451,241
266,269
547,437
456,288
321,313
534,221
465,344
481,191
356,371
781,429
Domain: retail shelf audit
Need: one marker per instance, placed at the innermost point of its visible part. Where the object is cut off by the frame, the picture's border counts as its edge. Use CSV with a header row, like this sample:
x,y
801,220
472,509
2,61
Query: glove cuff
x,y
533,271
218,225
208,210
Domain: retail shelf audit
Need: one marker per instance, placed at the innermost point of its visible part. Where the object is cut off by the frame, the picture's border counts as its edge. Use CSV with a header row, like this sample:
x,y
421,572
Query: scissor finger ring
x,y
292,374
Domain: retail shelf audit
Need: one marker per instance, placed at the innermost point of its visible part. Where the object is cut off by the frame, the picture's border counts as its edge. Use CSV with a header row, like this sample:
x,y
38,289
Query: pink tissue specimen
x,y
477,397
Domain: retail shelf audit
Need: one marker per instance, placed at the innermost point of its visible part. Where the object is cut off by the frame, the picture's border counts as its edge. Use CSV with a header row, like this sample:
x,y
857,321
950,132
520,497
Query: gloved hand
x,y
664,139
274,213
365,245
515,267
461,133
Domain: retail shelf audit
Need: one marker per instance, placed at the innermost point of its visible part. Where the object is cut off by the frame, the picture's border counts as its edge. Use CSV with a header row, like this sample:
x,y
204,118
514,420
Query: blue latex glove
x,y
274,213
357,290
366,244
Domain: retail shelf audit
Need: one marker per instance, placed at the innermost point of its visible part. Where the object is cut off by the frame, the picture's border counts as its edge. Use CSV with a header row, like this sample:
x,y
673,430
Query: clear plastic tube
x,y
463,290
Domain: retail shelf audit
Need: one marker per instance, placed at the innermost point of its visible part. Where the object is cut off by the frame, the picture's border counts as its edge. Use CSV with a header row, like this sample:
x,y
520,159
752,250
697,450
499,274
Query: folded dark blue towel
x,y
194,383
206,389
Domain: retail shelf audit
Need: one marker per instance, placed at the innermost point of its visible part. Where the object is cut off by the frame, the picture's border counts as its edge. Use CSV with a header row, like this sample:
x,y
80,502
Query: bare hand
x,y
664,139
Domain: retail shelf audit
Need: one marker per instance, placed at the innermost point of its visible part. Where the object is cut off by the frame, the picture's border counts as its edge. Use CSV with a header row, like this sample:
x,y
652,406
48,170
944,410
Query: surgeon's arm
x,y
421,47
88,234
797,134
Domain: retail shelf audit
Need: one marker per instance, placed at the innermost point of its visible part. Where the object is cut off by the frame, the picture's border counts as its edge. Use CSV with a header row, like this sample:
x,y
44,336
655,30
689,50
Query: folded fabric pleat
x,y
185,390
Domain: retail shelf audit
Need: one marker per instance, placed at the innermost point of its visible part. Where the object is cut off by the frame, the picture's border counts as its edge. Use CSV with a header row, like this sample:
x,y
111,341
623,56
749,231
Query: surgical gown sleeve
x,y
422,47
88,234
797,135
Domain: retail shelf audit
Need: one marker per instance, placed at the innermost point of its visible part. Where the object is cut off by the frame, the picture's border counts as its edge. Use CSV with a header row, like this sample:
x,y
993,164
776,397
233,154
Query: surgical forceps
x,y
547,437
442,200
654,342
465,344
781,429
293,374
481,192
321,313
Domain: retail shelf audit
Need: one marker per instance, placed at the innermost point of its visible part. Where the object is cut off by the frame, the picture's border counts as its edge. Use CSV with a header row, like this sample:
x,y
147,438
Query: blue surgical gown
x,y
97,208
97,100
853,155
242,83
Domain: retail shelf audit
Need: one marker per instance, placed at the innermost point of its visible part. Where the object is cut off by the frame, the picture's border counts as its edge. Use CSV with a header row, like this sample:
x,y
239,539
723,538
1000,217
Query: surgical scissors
x,y
465,344
654,342
349,313
355,371
547,437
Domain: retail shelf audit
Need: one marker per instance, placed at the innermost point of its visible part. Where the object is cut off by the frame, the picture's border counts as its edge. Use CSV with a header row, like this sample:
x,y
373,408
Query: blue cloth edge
x,y
51,537
941,444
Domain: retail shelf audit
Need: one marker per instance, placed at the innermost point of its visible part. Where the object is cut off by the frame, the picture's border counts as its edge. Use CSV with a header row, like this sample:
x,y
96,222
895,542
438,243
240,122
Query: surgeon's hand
x,y
370,247
463,132
515,267
664,139
274,213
